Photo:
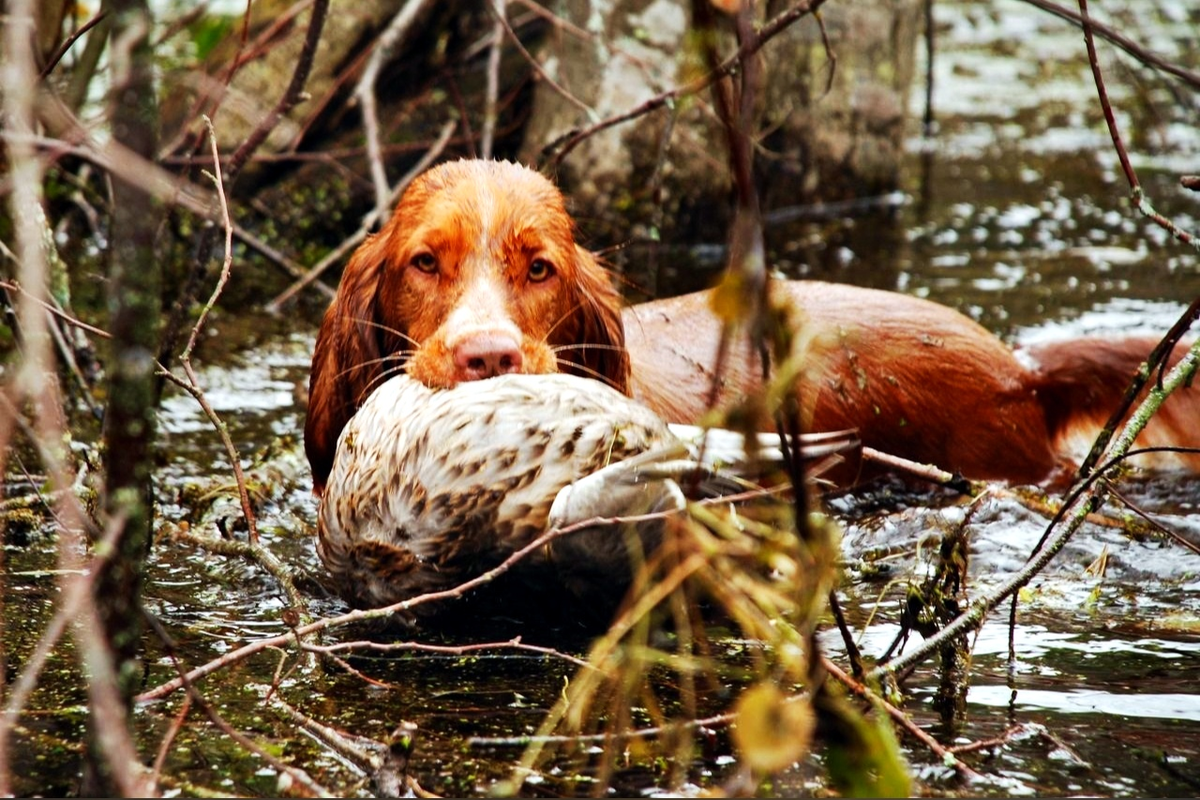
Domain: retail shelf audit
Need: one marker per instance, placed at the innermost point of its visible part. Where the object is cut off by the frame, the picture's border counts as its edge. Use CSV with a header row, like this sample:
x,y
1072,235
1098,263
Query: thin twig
x,y
13,286
995,741
115,159
860,689
927,127
291,267
852,651
211,91
829,53
1120,40
385,612
364,753
376,759
369,221
186,357
164,749
291,97
497,12
350,669
563,145
392,37
256,552
1158,358
455,650
1072,515
717,720
68,43
1138,195
295,773
488,131
1171,534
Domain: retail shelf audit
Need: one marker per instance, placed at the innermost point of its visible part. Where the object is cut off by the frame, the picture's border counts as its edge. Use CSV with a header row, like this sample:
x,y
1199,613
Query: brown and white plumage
x,y
432,487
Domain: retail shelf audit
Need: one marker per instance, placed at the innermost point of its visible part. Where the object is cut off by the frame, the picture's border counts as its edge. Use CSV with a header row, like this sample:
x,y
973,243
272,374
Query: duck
x,y
433,487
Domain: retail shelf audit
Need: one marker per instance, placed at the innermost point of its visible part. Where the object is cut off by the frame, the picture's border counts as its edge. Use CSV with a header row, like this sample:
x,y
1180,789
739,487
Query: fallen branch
x,y
253,551
454,650
944,754
926,472
385,763
383,613
295,773
1074,512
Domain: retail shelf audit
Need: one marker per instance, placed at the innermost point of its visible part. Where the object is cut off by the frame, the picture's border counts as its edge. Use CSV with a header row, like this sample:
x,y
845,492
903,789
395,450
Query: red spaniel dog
x,y
478,273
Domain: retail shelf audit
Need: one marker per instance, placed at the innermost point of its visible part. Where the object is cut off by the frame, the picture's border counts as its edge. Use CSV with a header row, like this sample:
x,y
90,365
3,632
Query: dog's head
x,y
477,273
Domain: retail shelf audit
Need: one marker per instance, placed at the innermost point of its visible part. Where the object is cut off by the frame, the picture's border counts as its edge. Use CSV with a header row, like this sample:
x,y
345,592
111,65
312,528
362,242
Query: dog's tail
x,y
1081,382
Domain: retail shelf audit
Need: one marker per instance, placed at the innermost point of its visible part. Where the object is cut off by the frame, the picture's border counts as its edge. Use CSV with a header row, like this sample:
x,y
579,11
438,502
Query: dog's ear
x,y
347,359
596,324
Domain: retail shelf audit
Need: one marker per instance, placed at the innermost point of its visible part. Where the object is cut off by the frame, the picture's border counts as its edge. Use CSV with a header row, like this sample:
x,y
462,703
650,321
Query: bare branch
x,y
497,10
393,37
488,131
384,612
291,97
1138,196
944,754
1120,40
68,43
558,150
295,773
369,221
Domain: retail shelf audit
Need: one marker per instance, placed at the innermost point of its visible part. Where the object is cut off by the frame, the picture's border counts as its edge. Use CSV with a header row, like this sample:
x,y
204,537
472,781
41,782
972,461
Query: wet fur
x,y
483,224
483,252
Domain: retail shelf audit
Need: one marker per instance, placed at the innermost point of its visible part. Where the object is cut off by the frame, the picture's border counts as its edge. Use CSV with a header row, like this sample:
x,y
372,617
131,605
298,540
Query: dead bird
x,y
432,487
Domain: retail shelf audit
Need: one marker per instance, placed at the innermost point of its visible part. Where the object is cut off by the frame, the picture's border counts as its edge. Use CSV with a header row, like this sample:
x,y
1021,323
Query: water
x,y
1014,213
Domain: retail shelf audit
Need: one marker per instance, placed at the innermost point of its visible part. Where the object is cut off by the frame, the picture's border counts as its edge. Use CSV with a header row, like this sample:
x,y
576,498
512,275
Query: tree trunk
x,y
135,305
828,134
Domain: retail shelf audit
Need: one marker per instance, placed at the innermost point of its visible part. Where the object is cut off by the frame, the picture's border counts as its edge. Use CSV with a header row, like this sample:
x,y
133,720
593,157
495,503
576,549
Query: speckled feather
x,y
430,487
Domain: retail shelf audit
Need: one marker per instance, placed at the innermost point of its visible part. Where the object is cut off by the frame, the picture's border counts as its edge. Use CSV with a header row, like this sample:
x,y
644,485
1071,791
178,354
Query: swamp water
x,y
1016,215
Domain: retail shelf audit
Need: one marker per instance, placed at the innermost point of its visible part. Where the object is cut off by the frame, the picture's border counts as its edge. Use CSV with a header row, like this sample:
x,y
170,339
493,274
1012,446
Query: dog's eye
x,y
540,269
425,262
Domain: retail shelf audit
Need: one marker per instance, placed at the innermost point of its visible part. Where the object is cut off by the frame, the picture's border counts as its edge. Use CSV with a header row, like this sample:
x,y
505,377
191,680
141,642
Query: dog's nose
x,y
486,355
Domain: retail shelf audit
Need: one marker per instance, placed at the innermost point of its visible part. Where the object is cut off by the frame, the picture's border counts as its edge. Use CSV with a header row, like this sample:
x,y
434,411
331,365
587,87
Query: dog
x,y
478,273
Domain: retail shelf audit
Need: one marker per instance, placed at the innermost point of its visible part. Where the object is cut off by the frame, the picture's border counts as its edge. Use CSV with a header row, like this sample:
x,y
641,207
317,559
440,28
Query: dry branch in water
x,y
192,385
610,673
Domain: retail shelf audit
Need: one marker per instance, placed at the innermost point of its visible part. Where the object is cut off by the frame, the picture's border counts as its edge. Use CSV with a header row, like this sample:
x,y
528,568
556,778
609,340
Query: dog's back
x,y
1081,382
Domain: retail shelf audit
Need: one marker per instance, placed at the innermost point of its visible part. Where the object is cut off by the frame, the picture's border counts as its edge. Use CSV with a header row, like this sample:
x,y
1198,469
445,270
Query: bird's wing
x,y
719,449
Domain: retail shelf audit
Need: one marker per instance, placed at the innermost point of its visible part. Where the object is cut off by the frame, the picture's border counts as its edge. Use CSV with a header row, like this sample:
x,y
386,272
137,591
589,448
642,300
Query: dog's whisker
x,y
401,356
371,323
563,318
558,348
593,373
396,362
382,377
